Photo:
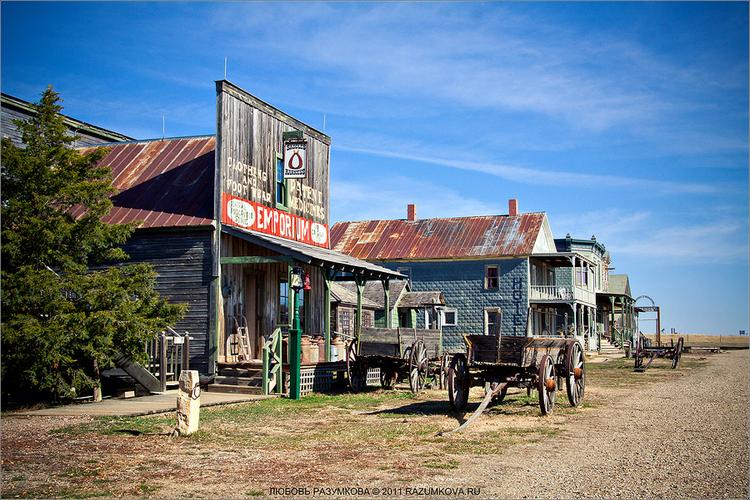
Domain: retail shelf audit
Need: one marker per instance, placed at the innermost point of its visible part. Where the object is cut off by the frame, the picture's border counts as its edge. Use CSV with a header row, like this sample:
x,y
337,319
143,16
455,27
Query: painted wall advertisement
x,y
295,159
256,217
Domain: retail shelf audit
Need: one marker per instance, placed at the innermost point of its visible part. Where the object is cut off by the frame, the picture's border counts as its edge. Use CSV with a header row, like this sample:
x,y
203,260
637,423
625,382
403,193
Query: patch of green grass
x,y
437,464
254,493
18,477
146,488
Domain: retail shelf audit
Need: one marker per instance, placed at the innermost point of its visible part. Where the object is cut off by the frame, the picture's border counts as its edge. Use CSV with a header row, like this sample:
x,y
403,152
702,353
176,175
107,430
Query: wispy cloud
x,y
536,176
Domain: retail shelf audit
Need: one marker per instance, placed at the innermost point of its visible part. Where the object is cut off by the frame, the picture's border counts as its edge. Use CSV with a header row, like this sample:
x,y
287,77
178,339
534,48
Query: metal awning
x,y
312,255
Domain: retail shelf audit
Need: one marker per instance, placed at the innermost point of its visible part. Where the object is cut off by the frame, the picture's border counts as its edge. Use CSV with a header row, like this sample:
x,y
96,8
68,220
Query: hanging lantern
x,y
297,278
308,286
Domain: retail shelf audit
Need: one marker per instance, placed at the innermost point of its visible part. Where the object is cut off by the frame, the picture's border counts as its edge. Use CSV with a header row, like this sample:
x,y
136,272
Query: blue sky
x,y
624,120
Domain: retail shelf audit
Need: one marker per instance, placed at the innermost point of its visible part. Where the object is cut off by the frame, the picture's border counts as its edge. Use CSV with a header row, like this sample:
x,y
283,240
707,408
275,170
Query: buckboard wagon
x,y
499,362
398,353
644,349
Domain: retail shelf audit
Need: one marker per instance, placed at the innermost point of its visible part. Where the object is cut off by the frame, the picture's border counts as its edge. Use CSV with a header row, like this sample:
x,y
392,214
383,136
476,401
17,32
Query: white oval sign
x,y
318,233
241,213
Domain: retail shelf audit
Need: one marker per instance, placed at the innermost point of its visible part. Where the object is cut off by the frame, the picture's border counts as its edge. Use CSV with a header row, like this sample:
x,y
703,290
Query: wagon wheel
x,y
354,368
443,371
546,385
575,380
418,366
458,382
677,354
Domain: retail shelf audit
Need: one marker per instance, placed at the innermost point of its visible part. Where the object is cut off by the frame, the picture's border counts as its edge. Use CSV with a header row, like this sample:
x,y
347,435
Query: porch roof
x,y
561,258
316,256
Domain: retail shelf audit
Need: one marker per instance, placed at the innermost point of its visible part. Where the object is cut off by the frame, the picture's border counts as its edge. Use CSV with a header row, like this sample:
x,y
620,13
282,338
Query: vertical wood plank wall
x,y
233,277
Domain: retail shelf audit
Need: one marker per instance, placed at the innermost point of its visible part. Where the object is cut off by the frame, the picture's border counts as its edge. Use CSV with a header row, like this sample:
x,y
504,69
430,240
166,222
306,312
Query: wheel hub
x,y
550,384
578,373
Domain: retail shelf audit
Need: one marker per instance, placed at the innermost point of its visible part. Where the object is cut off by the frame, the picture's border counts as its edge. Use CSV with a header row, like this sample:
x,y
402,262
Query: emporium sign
x,y
256,217
295,159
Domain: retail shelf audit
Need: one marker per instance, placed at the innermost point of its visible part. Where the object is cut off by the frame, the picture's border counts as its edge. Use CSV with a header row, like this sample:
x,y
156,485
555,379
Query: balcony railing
x,y
561,292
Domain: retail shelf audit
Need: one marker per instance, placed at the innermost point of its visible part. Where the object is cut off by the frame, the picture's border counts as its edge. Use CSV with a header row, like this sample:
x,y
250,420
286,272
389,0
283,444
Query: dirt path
x,y
683,438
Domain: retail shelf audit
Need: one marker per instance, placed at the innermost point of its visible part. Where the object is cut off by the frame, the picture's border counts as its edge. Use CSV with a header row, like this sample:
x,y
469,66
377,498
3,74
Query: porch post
x,y
327,278
611,318
360,282
575,319
387,302
658,326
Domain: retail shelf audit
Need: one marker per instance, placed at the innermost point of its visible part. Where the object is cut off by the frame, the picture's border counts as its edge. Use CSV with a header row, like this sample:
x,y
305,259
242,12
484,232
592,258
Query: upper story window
x,y
582,276
281,189
491,277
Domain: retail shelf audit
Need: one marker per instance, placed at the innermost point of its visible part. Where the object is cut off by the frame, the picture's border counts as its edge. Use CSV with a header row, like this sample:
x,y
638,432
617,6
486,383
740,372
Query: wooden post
x,y
611,319
98,387
327,278
186,353
360,282
163,361
658,326
387,302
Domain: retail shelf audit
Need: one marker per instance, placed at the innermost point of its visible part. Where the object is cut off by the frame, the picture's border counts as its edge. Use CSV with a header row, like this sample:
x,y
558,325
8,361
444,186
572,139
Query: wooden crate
x,y
496,349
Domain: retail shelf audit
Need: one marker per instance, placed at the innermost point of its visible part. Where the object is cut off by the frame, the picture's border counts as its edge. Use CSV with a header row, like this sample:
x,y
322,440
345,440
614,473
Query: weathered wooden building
x,y
496,272
225,218
85,134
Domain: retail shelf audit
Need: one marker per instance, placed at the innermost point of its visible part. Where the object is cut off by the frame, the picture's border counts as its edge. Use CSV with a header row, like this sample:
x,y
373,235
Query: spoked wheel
x,y
677,354
418,367
354,368
388,377
442,376
575,380
458,382
546,385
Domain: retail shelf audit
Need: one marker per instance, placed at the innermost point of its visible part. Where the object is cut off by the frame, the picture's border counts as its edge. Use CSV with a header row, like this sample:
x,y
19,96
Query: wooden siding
x,y
250,134
233,279
182,260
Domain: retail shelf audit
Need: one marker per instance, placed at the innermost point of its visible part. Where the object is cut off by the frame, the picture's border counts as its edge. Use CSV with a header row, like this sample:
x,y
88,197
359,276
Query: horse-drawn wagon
x,y
499,362
644,350
398,353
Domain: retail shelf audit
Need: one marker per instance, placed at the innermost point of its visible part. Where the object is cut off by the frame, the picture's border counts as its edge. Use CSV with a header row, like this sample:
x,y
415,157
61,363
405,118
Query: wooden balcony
x,y
561,293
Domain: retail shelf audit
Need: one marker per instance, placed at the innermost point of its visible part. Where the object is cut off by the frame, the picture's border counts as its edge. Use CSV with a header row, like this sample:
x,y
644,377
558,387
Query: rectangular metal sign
x,y
295,159
256,217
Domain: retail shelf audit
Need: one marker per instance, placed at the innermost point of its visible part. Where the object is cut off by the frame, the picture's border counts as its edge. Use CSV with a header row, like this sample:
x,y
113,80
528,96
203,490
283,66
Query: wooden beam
x,y
328,275
254,259
387,302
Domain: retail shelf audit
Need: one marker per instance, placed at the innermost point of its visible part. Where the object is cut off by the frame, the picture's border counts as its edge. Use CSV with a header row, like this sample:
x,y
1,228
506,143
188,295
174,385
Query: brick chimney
x,y
513,206
411,212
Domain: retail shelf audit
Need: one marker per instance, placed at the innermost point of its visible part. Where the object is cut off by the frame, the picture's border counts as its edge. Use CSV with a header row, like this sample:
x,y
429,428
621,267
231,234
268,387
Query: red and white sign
x,y
295,159
256,217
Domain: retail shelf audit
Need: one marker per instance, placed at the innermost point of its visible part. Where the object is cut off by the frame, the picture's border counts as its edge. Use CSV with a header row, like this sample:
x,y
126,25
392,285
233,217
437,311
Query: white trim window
x,y
491,277
492,318
432,319
450,316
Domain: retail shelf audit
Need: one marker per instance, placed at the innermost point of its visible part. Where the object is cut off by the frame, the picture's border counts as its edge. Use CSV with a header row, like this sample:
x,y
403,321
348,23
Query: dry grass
x,y
696,340
379,437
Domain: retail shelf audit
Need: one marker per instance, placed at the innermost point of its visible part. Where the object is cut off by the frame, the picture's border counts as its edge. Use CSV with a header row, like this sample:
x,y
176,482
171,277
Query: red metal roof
x,y
458,237
162,183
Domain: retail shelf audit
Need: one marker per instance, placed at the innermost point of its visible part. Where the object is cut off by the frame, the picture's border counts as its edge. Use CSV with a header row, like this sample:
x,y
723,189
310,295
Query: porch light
x,y
307,286
297,278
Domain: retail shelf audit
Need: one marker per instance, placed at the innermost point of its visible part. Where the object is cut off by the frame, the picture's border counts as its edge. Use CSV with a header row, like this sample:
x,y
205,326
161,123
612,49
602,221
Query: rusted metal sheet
x,y
162,183
458,237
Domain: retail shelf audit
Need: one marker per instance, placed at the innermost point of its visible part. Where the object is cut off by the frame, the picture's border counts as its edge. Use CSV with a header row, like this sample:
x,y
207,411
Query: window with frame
x,y
491,277
281,188
367,319
492,319
582,276
450,317
345,321
283,316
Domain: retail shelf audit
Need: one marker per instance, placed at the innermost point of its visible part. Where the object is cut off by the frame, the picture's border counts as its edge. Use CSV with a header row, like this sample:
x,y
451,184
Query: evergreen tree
x,y
69,304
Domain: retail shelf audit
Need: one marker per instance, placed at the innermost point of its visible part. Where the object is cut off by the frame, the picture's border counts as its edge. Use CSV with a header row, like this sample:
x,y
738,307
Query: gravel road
x,y
681,438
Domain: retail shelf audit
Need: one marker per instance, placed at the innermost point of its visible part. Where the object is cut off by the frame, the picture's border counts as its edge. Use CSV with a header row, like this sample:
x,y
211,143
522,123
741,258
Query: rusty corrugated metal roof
x,y
162,183
449,238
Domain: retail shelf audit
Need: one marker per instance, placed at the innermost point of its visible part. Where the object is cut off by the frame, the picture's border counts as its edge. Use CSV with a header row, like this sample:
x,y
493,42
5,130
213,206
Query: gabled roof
x,y
619,284
414,300
162,183
444,238
345,295
374,294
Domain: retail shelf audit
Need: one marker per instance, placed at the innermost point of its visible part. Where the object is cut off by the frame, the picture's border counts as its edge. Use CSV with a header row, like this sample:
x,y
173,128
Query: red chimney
x,y
411,212
513,206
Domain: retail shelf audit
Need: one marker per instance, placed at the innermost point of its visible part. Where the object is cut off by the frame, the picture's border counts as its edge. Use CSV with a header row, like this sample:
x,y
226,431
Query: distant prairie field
x,y
698,340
